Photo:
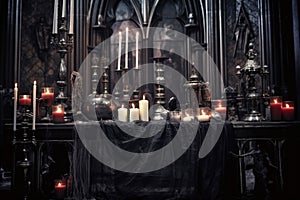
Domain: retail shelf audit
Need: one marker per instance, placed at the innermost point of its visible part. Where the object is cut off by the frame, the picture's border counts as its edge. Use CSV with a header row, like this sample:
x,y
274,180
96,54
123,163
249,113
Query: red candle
x,y
48,96
221,110
60,189
25,100
275,106
60,184
219,106
288,111
58,114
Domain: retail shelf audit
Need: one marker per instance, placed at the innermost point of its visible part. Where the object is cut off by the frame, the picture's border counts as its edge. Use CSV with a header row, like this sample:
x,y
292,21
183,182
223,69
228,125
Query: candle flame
x,y
202,112
144,97
16,85
133,105
287,105
59,109
219,105
34,82
275,101
59,184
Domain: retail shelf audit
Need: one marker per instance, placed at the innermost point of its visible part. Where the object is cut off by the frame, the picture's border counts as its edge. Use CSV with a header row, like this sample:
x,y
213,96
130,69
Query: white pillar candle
x,y
144,110
71,17
120,51
137,50
55,17
15,106
122,114
63,11
34,105
203,117
133,113
126,48
187,118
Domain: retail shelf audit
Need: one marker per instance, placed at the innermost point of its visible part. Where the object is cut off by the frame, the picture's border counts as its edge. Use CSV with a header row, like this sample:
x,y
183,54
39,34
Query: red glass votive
x,y
275,106
288,111
220,107
48,95
60,189
25,100
58,113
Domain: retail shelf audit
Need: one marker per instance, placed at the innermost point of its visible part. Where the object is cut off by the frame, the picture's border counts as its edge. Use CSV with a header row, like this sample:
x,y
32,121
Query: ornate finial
x,y
251,54
191,18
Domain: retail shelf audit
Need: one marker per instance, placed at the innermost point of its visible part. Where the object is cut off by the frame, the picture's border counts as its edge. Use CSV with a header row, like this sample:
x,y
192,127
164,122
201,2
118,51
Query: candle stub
x,y
58,113
288,111
122,114
275,106
133,113
25,100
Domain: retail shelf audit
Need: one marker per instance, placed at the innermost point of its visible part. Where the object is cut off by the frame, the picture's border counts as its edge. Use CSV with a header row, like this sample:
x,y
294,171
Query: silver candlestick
x,y
250,71
62,42
160,112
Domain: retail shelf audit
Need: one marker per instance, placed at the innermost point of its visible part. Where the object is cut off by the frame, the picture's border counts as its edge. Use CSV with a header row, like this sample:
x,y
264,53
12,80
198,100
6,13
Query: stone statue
x,y
42,34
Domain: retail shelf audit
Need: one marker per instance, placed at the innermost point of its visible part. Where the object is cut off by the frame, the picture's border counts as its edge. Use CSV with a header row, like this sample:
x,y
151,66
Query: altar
x,y
188,177
223,173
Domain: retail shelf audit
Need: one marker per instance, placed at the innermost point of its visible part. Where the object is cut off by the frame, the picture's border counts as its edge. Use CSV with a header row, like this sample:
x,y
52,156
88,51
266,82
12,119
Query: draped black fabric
x,y
187,178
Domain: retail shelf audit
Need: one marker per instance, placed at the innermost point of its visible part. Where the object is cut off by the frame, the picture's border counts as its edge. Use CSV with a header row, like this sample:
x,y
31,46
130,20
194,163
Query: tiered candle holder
x,y
159,97
27,142
136,92
252,98
195,84
62,41
102,102
117,93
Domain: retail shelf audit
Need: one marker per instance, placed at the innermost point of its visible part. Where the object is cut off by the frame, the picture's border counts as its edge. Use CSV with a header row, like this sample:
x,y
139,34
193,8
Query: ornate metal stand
x,y
136,92
250,71
126,96
117,94
62,42
194,84
27,141
159,98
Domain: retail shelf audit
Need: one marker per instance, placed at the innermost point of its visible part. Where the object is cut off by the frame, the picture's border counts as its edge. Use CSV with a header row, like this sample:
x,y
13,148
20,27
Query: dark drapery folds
x,y
187,178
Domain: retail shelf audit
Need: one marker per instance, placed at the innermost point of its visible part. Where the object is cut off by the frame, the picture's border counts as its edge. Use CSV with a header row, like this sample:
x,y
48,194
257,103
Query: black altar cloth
x,y
189,177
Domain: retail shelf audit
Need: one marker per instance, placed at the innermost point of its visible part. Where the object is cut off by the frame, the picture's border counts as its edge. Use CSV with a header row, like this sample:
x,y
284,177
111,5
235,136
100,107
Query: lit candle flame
x,y
202,112
287,105
275,101
59,109
133,105
144,97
